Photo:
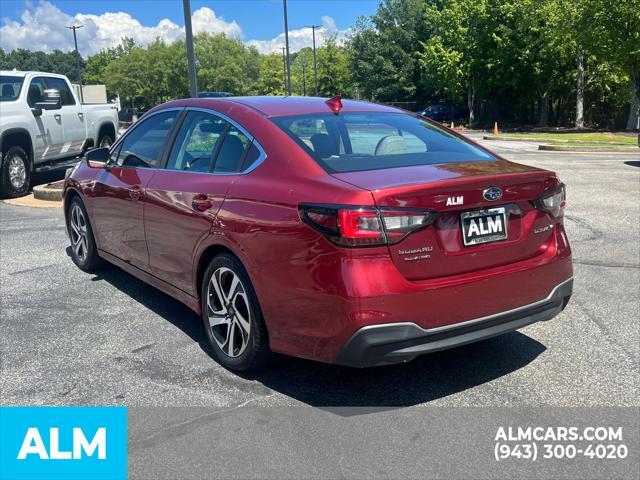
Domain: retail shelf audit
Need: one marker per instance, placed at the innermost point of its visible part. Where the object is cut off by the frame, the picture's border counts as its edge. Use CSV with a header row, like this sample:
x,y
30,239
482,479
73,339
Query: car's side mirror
x,y
51,100
98,158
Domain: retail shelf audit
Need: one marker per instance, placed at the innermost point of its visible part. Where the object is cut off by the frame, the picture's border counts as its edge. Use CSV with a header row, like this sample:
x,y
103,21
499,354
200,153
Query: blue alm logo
x,y
63,443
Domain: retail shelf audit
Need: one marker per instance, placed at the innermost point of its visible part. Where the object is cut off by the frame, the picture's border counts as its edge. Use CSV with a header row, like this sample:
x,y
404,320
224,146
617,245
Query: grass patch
x,y
576,139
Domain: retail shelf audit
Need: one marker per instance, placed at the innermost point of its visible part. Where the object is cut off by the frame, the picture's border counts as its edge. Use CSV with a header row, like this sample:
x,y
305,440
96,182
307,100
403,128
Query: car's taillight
x,y
352,226
553,201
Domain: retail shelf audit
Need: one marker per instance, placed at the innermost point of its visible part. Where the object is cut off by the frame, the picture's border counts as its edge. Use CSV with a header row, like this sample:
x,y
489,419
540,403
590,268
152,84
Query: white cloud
x,y
302,37
41,27
205,20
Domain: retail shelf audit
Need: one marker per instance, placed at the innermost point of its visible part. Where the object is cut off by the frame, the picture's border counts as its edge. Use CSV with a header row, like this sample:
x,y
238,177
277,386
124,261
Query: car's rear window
x,y
351,142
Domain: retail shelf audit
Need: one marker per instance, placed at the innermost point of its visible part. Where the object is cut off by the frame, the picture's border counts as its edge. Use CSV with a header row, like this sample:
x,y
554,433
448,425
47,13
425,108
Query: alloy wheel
x,y
105,142
17,172
79,234
228,312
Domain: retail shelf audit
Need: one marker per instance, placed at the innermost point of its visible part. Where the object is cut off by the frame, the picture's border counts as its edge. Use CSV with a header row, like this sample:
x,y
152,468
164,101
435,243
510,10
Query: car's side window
x,y
197,142
143,146
65,92
113,158
231,152
251,157
36,91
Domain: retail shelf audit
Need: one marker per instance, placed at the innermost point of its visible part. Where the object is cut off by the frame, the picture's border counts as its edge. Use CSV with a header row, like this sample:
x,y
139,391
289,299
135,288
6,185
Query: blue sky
x,y
257,21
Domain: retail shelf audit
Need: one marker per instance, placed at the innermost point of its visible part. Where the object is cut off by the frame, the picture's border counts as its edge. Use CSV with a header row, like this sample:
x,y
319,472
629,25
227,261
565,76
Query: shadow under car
x,y
424,379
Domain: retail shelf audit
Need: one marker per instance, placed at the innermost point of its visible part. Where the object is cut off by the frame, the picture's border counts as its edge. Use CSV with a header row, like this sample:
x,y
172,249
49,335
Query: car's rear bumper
x,y
313,308
400,342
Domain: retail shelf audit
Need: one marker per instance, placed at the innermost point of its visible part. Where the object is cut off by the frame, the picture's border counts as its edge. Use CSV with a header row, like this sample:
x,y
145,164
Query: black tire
x,y
104,140
8,188
256,352
85,256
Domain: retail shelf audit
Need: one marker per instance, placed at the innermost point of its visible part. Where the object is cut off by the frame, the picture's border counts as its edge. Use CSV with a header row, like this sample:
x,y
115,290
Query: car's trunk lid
x,y
452,189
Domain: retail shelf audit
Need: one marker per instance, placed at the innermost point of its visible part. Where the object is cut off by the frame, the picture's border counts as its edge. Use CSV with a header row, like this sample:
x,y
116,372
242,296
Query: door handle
x,y
57,116
201,202
136,192
80,115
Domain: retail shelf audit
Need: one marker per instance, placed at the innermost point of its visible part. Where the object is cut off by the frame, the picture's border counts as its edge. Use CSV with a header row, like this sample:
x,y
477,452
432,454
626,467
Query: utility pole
x,y
284,69
304,79
286,42
191,58
315,66
75,41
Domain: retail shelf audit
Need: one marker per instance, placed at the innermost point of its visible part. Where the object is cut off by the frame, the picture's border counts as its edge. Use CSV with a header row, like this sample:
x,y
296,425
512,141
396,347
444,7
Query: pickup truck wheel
x,y
105,141
15,173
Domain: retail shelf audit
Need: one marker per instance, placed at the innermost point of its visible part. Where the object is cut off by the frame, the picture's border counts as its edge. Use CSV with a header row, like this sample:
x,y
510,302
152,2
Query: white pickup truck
x,y
43,126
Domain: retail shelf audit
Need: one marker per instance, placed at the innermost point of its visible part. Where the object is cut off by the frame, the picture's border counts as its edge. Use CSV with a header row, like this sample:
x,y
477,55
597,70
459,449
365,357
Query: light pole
x,y
191,58
286,42
315,67
75,41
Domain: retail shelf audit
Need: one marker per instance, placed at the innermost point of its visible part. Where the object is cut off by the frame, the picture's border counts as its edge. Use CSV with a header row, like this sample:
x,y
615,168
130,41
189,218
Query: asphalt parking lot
x,y
69,338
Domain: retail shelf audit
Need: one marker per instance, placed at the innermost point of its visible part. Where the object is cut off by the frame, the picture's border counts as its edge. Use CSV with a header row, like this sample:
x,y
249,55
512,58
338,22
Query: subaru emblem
x,y
492,194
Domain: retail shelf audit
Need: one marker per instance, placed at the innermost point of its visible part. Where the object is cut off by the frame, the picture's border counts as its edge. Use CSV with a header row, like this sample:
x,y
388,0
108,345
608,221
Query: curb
x,y
47,192
505,139
544,140
559,148
30,201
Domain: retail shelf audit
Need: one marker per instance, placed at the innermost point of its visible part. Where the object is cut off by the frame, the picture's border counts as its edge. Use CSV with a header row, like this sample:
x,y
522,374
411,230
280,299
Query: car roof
x,y
272,106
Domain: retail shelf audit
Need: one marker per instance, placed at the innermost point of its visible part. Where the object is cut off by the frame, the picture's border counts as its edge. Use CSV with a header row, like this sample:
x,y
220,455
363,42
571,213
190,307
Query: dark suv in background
x,y
443,112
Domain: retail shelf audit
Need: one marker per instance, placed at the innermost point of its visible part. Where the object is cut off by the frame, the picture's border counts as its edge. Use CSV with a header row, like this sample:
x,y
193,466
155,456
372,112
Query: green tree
x,y
176,70
615,34
271,75
97,63
454,58
126,76
55,62
334,77
225,65
302,72
382,51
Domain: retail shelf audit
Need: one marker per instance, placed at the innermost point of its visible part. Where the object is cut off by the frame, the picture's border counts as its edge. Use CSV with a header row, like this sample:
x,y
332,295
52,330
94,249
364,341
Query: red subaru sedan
x,y
339,231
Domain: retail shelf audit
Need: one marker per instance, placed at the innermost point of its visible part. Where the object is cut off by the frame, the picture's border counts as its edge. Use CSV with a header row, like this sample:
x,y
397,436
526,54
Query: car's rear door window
x,y
251,157
231,152
349,142
197,142
143,146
